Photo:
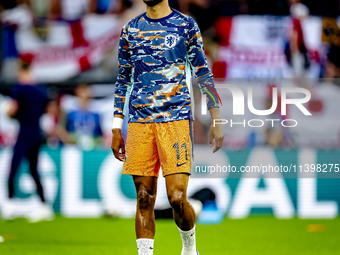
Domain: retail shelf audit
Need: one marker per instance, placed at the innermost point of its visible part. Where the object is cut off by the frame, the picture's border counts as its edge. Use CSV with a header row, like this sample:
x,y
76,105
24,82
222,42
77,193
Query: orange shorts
x,y
150,146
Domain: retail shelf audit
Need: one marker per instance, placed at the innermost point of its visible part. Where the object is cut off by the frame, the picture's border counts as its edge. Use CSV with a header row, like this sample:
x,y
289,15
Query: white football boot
x,y
43,213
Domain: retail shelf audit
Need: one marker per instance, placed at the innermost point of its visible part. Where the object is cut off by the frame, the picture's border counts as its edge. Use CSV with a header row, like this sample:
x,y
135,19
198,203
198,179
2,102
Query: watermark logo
x,y
239,104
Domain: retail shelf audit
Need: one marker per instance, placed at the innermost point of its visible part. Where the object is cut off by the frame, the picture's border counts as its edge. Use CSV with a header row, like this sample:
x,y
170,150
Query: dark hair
x,y
25,65
26,61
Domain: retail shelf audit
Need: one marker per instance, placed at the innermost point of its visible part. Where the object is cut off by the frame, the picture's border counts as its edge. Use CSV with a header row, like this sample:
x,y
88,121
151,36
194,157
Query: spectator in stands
x,y
111,6
82,125
273,134
331,42
71,10
50,124
104,6
296,51
332,68
41,12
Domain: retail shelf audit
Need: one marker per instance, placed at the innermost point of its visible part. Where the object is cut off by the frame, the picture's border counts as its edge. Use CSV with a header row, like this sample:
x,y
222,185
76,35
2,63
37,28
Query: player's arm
x,y
117,144
205,81
13,108
123,81
215,131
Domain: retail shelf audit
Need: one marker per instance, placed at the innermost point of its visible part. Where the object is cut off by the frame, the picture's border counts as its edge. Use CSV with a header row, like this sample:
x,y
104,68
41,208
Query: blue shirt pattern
x,y
156,59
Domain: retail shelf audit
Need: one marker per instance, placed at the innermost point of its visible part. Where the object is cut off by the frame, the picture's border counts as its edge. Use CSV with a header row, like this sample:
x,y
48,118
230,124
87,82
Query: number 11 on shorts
x,y
184,146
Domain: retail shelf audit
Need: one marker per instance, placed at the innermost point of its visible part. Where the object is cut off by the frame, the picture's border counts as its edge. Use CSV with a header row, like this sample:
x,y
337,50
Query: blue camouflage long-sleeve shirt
x,y
156,59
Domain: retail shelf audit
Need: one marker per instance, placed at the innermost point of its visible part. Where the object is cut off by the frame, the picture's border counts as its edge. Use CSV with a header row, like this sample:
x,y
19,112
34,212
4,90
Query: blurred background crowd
x,y
69,48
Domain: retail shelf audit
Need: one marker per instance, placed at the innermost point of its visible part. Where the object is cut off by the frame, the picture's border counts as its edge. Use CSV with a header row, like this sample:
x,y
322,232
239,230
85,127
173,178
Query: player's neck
x,y
158,11
25,78
84,103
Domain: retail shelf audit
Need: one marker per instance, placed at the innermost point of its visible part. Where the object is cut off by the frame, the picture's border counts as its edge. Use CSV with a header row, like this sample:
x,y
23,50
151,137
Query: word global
x,y
256,123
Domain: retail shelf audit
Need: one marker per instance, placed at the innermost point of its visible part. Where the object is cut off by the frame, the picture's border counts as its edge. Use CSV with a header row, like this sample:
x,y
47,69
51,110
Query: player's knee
x,y
145,199
176,200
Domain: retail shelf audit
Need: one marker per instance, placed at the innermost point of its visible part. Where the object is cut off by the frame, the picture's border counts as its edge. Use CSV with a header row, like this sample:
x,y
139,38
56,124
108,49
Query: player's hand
x,y
118,145
217,134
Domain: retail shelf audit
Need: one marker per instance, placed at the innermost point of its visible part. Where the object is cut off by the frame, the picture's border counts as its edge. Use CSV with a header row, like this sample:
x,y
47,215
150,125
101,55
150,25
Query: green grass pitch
x,y
252,236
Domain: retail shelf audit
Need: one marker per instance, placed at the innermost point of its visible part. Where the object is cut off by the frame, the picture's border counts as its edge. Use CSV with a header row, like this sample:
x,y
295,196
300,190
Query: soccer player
x,y
158,51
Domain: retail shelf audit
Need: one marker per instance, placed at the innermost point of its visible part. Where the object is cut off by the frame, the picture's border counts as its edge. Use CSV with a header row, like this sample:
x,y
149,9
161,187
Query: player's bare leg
x,y
146,188
184,214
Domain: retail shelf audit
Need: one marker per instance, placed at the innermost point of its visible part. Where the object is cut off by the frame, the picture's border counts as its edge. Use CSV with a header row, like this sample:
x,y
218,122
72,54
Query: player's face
x,y
152,3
